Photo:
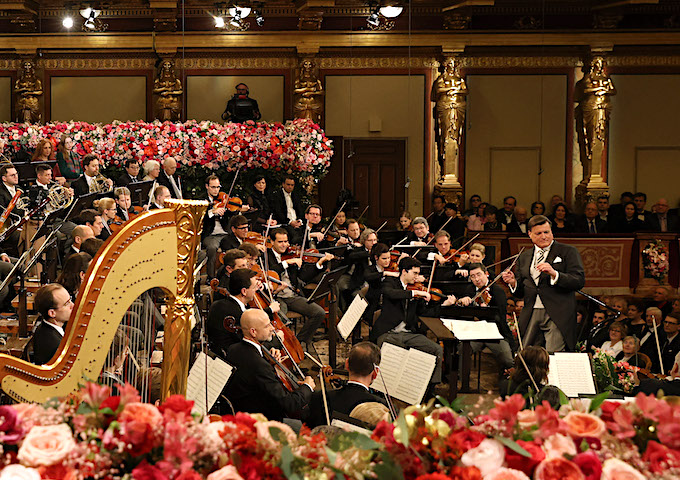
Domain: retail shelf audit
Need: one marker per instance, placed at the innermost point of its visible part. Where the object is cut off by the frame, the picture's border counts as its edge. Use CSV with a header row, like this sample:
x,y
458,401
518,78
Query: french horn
x,y
59,197
100,184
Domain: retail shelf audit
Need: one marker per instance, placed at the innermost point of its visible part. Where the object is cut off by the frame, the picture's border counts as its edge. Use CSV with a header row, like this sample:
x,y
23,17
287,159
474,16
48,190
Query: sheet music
x,y
473,330
352,316
391,358
571,373
348,427
407,373
218,374
415,376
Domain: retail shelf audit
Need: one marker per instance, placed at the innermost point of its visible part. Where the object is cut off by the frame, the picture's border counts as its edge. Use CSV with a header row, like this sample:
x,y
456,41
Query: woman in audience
x,y
405,222
629,223
491,223
67,159
629,353
476,221
151,170
636,322
74,272
537,208
258,200
107,210
43,151
617,332
559,219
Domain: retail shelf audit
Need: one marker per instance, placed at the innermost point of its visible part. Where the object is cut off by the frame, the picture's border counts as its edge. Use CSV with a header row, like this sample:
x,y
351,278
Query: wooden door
x,y
375,173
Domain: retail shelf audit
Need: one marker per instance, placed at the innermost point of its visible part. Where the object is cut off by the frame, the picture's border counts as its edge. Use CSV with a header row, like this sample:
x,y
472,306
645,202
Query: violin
x,y
454,256
483,297
233,204
309,255
257,239
436,294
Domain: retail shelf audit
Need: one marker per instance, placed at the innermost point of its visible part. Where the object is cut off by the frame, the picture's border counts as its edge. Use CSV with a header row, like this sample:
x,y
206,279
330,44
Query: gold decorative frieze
x,y
518,62
377,62
84,63
251,62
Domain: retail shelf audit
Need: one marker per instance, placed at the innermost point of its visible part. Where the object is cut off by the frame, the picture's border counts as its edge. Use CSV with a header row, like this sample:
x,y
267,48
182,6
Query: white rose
x,y
45,446
615,469
487,456
19,472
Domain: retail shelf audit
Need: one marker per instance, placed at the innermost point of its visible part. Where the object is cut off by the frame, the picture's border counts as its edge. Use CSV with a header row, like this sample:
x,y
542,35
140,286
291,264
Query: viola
x,y
233,204
436,294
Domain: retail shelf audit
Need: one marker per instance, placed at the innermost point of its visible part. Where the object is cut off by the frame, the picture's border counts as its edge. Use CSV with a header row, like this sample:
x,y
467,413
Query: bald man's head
x,y
80,234
521,214
256,326
170,165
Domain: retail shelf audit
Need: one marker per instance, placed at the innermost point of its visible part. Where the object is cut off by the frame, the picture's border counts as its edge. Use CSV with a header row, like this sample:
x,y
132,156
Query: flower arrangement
x,y
297,146
655,260
611,375
96,435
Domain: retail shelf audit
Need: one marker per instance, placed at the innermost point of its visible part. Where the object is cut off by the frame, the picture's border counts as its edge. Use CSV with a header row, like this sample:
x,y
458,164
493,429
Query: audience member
x,y
560,220
537,208
640,201
131,173
603,207
473,204
168,177
507,214
519,224
590,221
241,108
152,169
628,222
663,221
617,332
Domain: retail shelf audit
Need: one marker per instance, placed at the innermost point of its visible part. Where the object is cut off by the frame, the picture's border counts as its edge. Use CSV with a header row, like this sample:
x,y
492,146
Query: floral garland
x,y
96,435
655,260
297,146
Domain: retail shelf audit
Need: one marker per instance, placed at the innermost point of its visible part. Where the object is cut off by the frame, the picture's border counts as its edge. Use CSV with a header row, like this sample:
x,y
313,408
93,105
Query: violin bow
x,y
430,240
304,240
499,275
503,260
429,283
519,335
266,232
658,346
393,411
323,387
362,213
462,247
381,226
151,196
334,217
233,182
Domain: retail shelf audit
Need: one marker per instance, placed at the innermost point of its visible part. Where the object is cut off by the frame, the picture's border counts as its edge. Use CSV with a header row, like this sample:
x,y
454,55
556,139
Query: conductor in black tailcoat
x,y
548,276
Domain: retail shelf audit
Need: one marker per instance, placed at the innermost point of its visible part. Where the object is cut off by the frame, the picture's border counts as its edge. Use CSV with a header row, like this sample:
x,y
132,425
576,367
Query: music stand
x,y
140,191
81,203
390,237
26,170
325,288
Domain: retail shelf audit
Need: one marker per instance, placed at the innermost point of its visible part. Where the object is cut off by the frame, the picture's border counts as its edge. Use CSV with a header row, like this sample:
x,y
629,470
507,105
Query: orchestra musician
x,y
398,322
92,219
225,314
374,275
215,223
292,271
131,174
86,182
254,386
287,208
444,256
160,194
168,177
234,259
8,188
54,305
548,275
78,235
43,181
238,230
362,364
420,236
357,258
123,203
106,207
259,201
494,297
315,235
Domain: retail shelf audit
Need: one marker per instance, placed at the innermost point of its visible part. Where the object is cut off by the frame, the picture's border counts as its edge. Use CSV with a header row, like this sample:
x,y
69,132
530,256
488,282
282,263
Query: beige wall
x,y
207,95
395,101
515,128
5,99
644,153
98,99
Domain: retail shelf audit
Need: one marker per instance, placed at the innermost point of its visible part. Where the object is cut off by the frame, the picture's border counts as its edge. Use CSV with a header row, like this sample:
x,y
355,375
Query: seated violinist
x,y
357,258
446,262
339,226
293,272
254,386
374,274
314,230
477,254
237,230
351,235
362,364
124,208
398,322
224,318
420,236
234,259
492,296
215,224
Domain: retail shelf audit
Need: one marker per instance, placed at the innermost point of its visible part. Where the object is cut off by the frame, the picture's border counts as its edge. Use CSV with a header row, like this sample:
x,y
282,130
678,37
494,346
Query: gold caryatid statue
x,y
448,93
592,93
28,89
168,89
308,93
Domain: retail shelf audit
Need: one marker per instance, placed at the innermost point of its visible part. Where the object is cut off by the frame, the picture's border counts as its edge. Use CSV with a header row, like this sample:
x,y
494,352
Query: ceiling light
x,y
219,22
240,12
391,11
67,22
259,18
373,20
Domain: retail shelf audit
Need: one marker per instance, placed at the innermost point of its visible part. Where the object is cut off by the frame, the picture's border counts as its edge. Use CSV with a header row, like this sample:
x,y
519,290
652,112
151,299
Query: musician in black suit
x,y
358,259
493,296
254,387
374,275
160,195
83,184
54,305
362,364
224,318
548,275
8,187
237,229
131,174
287,208
590,221
234,259
168,177
671,344
398,322
215,223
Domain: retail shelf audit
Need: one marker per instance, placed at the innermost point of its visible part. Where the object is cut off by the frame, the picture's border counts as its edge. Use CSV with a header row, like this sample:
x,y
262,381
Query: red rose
x,y
111,402
189,475
558,469
608,409
660,456
467,439
177,403
433,476
589,464
517,461
148,472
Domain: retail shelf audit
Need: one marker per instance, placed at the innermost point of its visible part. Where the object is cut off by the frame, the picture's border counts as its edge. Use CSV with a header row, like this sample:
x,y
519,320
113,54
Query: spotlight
x,y
90,14
373,20
219,22
67,22
391,11
240,12
259,18
235,21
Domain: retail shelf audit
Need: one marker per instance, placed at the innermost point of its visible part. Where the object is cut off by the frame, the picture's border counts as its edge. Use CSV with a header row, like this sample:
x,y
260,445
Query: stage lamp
x,y
259,18
90,14
219,22
239,12
236,22
373,20
391,11
67,22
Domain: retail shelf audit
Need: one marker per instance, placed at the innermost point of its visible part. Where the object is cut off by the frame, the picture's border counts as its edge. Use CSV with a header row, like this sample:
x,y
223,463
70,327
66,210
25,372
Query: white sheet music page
x,y
391,364
415,376
352,316
471,330
571,373
218,375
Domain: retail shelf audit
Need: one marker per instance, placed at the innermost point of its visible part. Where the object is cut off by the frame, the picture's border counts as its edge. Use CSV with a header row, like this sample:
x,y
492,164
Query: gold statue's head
x,y
28,67
597,65
307,65
450,66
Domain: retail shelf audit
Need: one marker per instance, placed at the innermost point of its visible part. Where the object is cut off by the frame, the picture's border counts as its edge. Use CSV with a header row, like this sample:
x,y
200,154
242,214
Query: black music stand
x,y
324,288
81,203
26,170
140,192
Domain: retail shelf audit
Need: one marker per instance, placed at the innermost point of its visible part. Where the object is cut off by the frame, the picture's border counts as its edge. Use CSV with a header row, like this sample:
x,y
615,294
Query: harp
x,y
154,250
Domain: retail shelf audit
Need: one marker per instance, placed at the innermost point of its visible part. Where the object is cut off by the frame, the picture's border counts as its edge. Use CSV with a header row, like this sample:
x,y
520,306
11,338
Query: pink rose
x,y
506,474
527,418
45,446
589,464
19,472
225,473
487,456
558,469
559,445
615,469
584,425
